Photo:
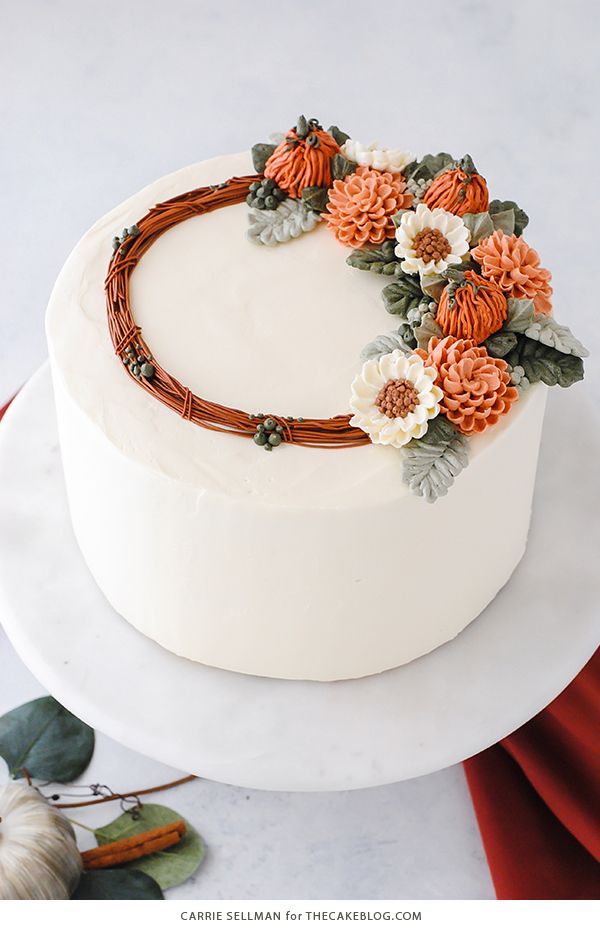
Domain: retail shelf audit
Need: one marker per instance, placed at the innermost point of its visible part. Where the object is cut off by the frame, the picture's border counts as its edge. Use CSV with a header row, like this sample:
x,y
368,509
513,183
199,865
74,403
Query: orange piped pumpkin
x,y
303,159
459,190
471,309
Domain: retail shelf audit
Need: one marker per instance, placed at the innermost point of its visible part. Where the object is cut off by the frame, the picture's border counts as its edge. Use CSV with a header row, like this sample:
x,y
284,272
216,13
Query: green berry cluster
x,y
120,242
268,434
265,195
138,364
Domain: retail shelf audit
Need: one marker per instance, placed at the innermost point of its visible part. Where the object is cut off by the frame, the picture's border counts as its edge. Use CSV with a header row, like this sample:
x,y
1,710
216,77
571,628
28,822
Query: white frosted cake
x,y
326,559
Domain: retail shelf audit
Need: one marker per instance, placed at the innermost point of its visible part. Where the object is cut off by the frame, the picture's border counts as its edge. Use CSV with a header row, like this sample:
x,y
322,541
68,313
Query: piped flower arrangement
x,y
471,297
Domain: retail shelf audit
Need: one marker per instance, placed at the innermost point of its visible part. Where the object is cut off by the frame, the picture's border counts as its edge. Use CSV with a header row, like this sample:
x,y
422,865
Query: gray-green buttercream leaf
x,y
432,463
501,206
500,344
315,198
338,134
480,226
546,330
383,345
426,330
402,295
544,363
261,152
379,261
341,166
505,221
288,221
520,315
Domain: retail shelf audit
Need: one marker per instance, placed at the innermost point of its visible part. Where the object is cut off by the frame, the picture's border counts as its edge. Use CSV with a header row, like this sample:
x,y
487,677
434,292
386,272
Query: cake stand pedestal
x,y
263,733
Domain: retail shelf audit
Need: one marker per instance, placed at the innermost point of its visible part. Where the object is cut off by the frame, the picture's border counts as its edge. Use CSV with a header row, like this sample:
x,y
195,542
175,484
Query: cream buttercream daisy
x,y
394,397
374,156
430,240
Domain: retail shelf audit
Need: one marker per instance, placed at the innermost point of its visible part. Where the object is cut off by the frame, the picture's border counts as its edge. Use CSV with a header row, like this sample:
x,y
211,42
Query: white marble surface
x,y
97,100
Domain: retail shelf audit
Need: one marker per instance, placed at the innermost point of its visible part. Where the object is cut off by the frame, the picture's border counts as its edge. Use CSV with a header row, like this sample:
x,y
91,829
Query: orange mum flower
x,y
477,388
361,207
302,159
472,309
459,190
515,267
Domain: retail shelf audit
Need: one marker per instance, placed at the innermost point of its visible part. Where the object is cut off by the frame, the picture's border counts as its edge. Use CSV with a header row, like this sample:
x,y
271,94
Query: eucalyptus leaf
x,y
501,206
500,344
45,738
338,134
261,152
341,166
170,866
505,221
315,198
116,885
480,226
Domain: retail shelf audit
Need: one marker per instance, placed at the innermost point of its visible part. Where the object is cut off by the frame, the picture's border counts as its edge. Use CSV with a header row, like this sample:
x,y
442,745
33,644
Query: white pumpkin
x,y
39,858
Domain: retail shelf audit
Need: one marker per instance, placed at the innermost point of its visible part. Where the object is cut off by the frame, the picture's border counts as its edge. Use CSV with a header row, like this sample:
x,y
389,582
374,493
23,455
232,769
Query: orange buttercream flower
x,y
472,309
515,267
458,190
477,387
302,160
361,207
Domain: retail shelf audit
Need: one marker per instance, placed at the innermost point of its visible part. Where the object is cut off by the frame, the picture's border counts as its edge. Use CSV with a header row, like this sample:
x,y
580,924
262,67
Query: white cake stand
x,y
261,733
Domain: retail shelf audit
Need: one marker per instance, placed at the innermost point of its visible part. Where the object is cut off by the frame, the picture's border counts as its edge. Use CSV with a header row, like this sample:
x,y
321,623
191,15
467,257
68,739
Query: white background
x,y
99,99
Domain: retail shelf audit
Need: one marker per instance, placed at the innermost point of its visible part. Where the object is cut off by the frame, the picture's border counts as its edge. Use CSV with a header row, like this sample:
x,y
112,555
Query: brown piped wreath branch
x,y
126,334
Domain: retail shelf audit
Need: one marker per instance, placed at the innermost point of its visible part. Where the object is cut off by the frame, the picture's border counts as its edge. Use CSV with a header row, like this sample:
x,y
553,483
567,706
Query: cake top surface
x,y
226,326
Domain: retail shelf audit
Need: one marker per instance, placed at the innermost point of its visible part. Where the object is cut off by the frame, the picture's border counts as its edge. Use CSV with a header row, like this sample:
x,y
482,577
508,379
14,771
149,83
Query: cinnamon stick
x,y
134,847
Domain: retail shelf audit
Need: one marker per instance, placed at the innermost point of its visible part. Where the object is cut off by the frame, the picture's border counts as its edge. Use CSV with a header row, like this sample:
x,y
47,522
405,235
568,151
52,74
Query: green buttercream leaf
x,y
504,220
544,363
397,217
261,152
521,218
315,198
500,344
383,345
433,285
431,464
480,226
401,296
291,219
546,330
429,166
338,134
170,866
520,314
116,885
426,330
45,738
341,166
380,261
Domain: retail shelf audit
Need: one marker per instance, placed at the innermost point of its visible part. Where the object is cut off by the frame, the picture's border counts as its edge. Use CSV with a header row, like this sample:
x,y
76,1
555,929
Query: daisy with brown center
x,y
430,240
394,397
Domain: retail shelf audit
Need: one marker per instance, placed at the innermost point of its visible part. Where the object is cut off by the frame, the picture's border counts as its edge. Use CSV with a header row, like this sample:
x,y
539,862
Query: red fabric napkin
x,y
537,799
